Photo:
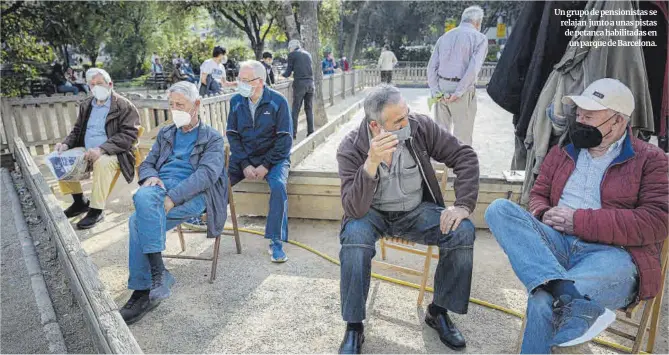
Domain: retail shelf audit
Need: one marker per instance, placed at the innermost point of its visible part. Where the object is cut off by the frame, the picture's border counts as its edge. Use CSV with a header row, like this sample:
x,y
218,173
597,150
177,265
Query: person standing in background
x,y
267,63
212,73
387,62
453,70
299,64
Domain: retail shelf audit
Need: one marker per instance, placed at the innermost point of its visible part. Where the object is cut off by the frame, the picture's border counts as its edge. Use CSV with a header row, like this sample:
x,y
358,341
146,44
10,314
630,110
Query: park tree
x,y
254,18
308,16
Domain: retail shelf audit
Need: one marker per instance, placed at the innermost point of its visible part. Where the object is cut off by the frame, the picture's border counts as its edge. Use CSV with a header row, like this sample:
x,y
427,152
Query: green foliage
x,y
414,54
239,50
493,49
371,53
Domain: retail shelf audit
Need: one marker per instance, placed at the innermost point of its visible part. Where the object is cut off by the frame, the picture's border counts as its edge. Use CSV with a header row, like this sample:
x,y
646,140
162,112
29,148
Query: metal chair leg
x,y
214,262
233,213
426,273
180,233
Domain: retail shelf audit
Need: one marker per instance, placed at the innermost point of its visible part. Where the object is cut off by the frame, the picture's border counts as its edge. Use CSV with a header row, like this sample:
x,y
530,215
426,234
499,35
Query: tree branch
x,y
269,27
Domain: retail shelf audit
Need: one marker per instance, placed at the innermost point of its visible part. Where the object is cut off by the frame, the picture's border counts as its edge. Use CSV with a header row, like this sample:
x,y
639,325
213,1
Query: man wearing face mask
x,y
590,242
107,126
259,132
182,176
212,73
389,188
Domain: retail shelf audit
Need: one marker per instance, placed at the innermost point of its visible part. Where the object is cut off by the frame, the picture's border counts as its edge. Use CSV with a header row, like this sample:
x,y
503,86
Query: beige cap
x,y
604,94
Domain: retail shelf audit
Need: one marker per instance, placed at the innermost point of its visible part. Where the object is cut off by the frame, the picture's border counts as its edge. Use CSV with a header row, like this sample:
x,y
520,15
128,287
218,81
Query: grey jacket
x,y
208,160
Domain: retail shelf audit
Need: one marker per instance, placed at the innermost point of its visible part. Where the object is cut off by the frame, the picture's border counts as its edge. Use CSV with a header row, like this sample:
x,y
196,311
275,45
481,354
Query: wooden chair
x,y
650,318
235,232
139,158
388,242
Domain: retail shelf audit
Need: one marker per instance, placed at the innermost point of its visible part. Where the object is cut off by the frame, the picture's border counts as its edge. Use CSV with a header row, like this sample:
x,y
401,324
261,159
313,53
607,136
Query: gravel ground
x,y
70,316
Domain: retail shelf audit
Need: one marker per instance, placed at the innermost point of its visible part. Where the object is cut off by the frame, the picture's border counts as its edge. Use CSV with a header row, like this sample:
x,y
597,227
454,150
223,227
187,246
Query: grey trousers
x,y
457,117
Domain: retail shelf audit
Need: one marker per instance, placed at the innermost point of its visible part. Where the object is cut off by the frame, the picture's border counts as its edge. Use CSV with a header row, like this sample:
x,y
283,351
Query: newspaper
x,y
69,165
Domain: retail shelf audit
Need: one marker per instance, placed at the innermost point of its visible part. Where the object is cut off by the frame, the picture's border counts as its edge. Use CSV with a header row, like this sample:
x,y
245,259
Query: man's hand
x,y
449,99
93,154
260,171
381,148
561,219
61,147
250,172
451,217
169,204
153,181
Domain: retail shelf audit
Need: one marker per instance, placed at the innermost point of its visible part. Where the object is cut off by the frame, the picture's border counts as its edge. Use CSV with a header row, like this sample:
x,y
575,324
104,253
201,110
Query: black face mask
x,y
584,136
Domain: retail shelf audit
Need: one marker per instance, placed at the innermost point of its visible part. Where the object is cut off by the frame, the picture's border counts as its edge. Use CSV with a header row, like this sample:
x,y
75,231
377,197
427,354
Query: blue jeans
x,y
67,88
452,279
539,253
149,225
276,227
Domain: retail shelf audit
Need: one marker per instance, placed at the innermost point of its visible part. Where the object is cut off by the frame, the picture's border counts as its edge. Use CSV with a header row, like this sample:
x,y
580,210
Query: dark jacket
x,y
264,139
635,204
299,64
428,140
535,45
121,126
209,175
269,80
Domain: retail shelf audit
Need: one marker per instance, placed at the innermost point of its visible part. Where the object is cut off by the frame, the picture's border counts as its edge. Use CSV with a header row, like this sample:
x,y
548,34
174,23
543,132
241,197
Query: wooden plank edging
x,y
111,334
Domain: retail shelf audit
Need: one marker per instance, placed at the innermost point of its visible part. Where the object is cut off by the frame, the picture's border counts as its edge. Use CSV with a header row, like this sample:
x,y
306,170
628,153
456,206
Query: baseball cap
x,y
604,94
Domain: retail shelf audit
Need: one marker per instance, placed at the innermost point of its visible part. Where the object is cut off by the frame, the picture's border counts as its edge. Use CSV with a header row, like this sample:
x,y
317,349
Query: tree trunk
x,y
258,49
94,58
289,20
67,56
312,43
340,48
356,31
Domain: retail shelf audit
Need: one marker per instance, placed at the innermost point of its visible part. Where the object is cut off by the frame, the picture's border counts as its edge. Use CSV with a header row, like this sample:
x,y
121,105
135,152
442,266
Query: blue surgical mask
x,y
244,89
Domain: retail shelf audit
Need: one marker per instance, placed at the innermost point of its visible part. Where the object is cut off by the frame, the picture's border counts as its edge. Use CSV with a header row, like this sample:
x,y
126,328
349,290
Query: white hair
x,y
380,97
93,72
293,44
472,14
185,88
256,66
626,117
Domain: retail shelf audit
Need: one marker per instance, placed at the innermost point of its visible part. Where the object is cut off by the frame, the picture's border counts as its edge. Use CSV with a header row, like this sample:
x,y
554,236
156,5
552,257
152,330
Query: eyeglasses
x,y
247,81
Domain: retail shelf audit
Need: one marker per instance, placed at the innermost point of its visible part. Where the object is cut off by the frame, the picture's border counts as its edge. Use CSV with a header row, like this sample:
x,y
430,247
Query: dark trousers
x,y
452,279
303,92
386,76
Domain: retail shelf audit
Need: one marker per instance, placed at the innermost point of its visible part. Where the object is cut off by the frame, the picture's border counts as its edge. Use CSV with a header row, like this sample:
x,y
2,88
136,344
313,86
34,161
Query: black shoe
x,y
137,306
92,218
352,343
76,208
448,332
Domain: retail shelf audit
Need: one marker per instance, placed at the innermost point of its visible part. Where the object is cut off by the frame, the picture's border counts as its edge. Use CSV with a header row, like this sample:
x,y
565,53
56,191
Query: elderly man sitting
x,y
591,241
182,176
260,136
107,126
389,188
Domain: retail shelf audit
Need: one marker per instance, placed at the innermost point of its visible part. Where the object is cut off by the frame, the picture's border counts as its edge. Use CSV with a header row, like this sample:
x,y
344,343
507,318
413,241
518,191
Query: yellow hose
x,y
430,289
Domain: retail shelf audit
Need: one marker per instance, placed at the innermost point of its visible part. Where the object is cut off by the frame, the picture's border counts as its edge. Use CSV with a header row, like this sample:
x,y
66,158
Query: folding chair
x,y
409,247
651,312
139,158
217,242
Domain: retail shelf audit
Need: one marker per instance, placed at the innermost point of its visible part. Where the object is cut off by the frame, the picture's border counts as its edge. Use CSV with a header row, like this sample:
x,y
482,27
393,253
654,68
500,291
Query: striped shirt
x,y
583,188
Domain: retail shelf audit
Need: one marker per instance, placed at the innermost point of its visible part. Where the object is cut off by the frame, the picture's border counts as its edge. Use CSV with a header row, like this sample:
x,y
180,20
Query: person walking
x,y
387,62
299,65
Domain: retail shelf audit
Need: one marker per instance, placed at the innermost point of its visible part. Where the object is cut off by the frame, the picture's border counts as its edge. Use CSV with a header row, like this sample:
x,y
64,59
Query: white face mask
x,y
180,118
101,93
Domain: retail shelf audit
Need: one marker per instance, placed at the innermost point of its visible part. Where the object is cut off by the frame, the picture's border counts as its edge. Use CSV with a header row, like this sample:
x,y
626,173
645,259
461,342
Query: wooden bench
x,y
157,81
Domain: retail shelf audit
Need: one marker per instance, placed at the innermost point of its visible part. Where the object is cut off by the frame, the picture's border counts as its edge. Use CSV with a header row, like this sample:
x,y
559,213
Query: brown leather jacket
x,y
428,140
121,126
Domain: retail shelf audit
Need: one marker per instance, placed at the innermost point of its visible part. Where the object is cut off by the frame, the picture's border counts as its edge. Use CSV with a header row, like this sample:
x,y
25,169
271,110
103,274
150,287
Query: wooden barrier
x,y
418,76
316,195
41,122
110,333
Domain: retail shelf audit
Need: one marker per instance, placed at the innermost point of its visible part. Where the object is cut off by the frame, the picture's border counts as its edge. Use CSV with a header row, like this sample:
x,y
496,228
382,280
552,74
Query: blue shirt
x,y
583,189
95,129
253,107
178,167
